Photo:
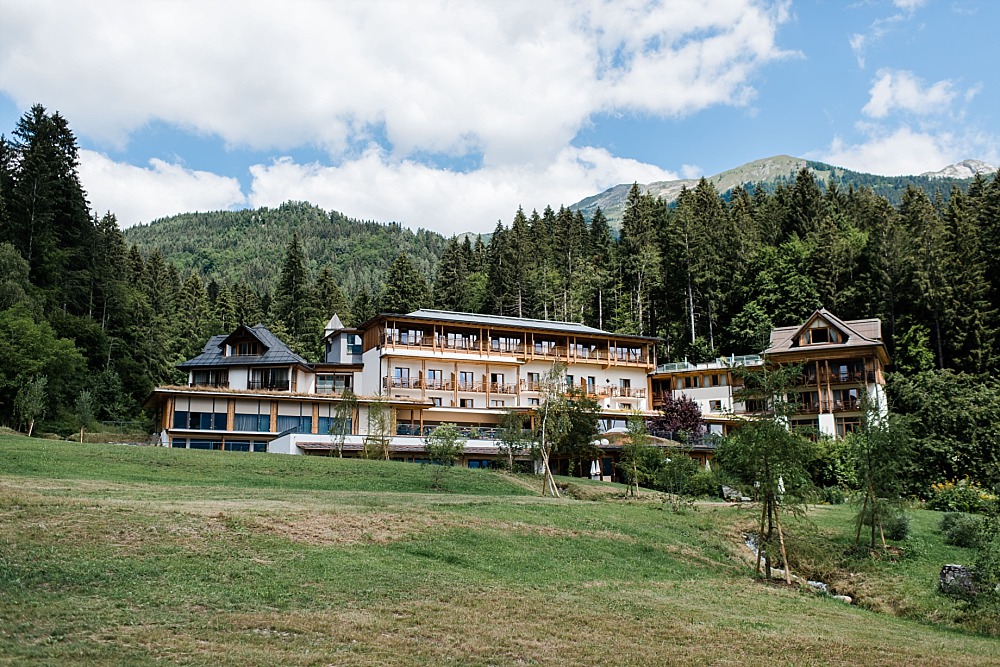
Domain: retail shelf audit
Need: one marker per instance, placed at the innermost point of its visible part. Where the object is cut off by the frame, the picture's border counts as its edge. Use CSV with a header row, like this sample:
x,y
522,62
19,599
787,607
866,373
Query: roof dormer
x,y
243,342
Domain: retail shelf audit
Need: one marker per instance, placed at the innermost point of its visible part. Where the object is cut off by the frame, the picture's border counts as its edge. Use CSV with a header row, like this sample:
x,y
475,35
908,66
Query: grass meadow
x,y
118,555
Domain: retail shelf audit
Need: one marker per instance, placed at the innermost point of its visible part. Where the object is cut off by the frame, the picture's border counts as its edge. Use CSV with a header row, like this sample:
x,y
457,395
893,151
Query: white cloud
x,y
898,153
908,5
902,90
513,81
376,187
136,194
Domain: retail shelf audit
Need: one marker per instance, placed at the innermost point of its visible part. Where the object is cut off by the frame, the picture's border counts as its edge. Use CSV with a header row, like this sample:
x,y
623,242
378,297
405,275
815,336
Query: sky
x,y
450,114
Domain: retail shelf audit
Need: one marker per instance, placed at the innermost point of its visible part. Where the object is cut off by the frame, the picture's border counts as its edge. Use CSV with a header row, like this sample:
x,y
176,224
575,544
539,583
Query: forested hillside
x,y
245,246
89,323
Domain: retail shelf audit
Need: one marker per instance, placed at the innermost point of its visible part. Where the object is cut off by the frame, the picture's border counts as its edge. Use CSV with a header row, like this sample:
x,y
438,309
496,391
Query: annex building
x,y
841,361
247,391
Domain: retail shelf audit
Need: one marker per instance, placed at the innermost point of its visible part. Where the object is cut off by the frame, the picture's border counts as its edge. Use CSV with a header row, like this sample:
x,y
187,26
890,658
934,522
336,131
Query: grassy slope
x,y
114,555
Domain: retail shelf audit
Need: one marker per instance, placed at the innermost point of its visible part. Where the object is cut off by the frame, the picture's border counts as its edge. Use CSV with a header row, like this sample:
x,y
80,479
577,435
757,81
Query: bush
x,y
674,475
705,483
832,495
896,526
895,523
961,530
961,496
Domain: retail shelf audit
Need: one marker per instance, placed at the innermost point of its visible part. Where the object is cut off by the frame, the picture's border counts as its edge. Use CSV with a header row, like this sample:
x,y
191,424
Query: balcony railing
x,y
272,385
217,384
489,346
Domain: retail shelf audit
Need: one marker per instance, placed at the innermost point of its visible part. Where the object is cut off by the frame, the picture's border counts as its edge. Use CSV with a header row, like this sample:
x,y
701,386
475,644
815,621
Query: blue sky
x,y
449,115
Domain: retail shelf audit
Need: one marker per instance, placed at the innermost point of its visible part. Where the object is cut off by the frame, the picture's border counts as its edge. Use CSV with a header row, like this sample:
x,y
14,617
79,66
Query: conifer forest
x,y
92,318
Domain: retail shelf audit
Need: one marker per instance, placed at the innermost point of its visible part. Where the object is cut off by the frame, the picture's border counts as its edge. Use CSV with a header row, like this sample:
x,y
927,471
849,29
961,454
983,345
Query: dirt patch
x,y
344,528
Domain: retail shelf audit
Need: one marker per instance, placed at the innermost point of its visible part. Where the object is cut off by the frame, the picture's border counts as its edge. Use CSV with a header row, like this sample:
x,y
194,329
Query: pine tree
x,y
971,336
405,289
46,216
293,304
362,309
929,260
451,284
329,298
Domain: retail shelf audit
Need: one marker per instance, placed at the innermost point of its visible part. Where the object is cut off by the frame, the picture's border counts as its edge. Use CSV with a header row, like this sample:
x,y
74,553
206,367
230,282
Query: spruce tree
x,y
451,284
293,303
405,289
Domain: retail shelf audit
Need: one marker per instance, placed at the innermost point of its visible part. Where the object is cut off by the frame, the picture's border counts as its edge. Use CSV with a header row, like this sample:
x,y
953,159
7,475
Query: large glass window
x,y
354,345
269,378
295,424
205,421
327,425
210,378
250,422
333,383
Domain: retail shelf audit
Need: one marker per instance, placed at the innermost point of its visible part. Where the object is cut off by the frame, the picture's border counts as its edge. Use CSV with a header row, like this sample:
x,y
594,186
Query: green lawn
x,y
115,555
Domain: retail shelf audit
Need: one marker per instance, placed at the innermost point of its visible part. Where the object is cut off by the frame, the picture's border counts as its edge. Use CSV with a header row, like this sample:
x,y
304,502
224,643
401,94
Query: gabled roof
x,y
275,352
856,333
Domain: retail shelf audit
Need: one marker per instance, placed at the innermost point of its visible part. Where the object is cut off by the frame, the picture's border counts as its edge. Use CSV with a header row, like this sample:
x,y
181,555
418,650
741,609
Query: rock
x,y
844,598
957,580
818,586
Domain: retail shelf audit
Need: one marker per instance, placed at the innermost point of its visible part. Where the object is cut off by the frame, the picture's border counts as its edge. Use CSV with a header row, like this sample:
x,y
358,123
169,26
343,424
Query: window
x,y
846,399
534,382
847,425
203,421
246,348
625,386
215,378
436,401
498,403
354,345
505,344
533,401
591,384
251,422
435,378
400,377
466,381
692,382
269,378
325,424
715,406
295,424
569,380
333,384
819,335
497,383
205,444
466,403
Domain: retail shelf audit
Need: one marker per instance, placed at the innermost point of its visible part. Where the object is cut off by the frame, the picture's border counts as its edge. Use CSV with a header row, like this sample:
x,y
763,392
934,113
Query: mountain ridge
x,y
777,169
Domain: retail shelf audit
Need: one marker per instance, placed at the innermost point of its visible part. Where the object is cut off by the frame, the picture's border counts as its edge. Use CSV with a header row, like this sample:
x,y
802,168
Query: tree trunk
x,y
784,554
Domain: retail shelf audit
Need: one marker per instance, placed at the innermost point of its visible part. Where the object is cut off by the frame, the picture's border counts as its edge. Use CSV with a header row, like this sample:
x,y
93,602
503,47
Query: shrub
x,y
962,496
961,530
895,523
896,526
705,483
832,495
674,475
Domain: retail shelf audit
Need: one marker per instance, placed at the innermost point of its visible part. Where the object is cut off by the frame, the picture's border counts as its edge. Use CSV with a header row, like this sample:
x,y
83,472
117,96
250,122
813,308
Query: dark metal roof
x,y
276,353
475,319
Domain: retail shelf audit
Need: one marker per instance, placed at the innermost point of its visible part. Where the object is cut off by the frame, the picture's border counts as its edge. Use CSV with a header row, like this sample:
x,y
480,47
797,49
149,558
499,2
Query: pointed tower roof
x,y
333,325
